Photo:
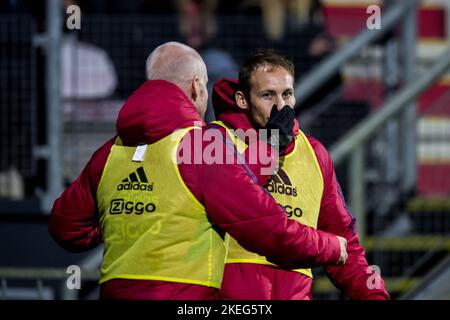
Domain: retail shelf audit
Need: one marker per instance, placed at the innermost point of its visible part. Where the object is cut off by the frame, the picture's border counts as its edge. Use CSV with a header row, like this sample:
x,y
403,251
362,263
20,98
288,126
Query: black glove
x,y
282,120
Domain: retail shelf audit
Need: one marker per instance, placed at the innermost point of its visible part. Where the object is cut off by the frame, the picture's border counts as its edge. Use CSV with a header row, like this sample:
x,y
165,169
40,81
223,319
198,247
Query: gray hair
x,y
175,62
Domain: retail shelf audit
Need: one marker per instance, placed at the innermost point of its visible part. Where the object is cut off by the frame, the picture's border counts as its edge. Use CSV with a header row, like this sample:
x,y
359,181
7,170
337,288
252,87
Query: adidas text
x,y
274,187
135,186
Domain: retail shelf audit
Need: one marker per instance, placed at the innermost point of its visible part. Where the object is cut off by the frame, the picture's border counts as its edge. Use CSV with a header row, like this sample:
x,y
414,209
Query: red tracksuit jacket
x,y
244,280
231,198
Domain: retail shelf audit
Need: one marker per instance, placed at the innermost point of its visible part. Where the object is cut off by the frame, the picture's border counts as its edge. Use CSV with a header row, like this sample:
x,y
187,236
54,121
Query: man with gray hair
x,y
162,222
183,66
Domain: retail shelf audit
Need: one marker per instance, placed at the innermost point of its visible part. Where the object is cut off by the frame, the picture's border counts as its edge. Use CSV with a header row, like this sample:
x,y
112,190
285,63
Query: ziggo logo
x,y
119,206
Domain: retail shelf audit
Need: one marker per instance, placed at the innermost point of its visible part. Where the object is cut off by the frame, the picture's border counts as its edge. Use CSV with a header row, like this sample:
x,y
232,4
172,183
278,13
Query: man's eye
x,y
288,94
267,95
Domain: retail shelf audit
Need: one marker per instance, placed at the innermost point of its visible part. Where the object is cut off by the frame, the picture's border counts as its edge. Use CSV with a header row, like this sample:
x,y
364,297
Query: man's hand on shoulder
x,y
344,255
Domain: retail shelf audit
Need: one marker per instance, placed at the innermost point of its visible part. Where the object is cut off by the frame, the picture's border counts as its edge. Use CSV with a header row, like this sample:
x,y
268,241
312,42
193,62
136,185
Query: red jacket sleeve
x,y
237,204
74,220
356,279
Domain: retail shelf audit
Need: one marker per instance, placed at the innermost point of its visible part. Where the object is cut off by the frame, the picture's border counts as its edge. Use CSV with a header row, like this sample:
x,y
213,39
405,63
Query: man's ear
x,y
194,89
241,100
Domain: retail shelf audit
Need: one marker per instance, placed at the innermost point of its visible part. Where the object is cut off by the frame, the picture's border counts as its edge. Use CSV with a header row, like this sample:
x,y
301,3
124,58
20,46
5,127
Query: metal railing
x,y
89,271
51,41
39,276
400,110
435,286
353,143
317,76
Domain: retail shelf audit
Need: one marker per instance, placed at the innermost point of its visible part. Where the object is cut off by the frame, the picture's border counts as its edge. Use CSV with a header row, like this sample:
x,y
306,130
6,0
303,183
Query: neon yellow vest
x,y
297,186
153,226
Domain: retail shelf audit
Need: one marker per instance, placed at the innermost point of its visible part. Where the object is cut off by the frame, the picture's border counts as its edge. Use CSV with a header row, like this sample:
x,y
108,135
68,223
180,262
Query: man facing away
x,y
162,221
305,185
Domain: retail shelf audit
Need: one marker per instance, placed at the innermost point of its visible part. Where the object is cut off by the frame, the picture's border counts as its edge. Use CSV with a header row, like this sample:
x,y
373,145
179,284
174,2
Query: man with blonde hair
x,y
305,185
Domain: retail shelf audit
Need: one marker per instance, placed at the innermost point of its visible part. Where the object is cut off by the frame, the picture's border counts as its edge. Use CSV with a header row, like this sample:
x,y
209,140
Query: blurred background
x,y
377,96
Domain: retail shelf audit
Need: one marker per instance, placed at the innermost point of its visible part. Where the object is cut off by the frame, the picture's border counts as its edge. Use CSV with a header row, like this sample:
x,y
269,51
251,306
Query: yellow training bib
x,y
297,186
153,227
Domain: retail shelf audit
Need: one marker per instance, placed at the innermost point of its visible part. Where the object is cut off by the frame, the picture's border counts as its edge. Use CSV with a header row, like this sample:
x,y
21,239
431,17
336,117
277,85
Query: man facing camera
x,y
305,185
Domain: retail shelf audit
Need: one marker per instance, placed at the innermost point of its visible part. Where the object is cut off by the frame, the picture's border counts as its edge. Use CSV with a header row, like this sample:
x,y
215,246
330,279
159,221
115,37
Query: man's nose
x,y
280,103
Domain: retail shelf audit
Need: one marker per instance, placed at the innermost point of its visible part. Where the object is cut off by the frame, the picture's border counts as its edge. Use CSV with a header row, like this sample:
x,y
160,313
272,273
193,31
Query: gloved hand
x,y
282,120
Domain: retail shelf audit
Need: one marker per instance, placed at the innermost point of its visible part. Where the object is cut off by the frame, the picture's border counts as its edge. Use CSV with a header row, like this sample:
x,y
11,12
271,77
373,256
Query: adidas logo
x,y
281,184
137,180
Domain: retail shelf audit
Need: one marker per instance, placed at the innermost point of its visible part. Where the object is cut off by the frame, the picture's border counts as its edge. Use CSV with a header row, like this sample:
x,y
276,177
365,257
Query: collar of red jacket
x,y
227,111
153,111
